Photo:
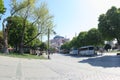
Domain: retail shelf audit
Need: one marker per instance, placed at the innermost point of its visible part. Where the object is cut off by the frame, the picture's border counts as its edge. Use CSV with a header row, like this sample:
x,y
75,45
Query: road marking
x,y
19,75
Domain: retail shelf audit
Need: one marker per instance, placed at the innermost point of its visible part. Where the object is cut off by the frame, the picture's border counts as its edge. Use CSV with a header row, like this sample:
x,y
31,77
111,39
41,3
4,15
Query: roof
x,y
58,37
86,46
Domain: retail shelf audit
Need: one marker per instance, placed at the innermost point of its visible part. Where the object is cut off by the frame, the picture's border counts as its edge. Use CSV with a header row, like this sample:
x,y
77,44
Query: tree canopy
x,y
92,37
15,30
1,39
82,39
66,46
109,24
28,14
2,8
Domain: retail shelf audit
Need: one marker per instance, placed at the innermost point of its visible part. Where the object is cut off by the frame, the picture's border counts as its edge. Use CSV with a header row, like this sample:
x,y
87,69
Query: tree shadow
x,y
103,61
71,55
77,56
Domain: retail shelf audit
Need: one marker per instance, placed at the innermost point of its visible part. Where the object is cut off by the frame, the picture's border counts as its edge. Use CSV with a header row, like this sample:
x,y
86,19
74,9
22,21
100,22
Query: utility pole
x,y
48,43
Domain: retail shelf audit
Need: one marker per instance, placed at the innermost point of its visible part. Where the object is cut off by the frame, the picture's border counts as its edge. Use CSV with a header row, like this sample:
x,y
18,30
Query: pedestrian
x,y
48,54
101,50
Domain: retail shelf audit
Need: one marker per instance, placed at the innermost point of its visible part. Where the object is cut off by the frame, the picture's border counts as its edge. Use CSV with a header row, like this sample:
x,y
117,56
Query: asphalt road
x,y
61,67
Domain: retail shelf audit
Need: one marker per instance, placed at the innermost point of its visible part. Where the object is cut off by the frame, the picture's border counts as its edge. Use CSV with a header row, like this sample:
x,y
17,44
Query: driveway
x,y
61,67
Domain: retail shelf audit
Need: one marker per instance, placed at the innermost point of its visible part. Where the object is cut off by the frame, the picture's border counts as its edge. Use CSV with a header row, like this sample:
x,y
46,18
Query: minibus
x,y
87,50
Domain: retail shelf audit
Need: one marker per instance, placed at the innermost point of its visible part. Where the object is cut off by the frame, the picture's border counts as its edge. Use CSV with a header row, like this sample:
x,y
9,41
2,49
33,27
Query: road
x,y
61,67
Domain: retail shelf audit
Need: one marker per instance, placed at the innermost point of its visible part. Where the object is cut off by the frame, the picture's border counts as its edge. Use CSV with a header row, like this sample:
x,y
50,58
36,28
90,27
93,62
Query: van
x,y
87,50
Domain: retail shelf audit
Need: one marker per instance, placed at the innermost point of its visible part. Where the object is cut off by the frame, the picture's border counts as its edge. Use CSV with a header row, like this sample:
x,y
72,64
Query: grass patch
x,y
26,56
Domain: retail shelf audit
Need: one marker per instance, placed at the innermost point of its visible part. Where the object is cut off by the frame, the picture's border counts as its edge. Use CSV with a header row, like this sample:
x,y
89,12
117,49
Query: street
x,y
61,67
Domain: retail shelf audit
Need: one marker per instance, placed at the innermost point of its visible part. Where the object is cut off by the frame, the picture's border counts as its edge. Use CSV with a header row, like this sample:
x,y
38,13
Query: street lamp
x,y
48,43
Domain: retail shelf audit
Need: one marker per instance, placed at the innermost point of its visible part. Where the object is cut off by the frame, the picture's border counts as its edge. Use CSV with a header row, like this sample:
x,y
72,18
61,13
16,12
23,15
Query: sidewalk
x,y
61,67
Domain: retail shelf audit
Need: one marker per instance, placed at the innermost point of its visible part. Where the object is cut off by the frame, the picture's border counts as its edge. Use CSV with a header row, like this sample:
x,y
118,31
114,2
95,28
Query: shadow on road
x,y
77,56
103,61
71,55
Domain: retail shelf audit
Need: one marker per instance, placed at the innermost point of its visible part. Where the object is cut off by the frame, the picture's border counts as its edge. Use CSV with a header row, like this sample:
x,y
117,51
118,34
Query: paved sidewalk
x,y
61,67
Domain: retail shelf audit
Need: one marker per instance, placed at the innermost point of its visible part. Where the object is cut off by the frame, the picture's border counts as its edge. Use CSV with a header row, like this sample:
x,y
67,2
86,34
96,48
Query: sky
x,y
74,16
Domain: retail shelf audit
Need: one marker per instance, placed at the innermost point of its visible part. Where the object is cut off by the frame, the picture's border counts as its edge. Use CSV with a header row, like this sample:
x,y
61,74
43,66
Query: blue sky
x,y
73,16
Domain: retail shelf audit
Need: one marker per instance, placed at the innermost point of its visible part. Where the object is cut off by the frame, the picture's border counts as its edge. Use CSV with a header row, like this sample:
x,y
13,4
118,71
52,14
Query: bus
x,y
87,50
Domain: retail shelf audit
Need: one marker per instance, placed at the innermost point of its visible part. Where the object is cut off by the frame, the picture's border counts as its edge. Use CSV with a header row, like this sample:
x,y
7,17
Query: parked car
x,y
87,50
65,51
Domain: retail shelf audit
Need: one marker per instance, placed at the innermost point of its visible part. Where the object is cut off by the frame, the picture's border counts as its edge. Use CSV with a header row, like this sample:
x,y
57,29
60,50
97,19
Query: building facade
x,y
57,41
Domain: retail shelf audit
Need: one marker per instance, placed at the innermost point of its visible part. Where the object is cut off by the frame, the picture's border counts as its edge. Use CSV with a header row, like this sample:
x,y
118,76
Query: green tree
x,y
1,40
94,37
82,39
2,11
107,47
21,9
28,11
74,43
43,21
2,8
16,29
66,46
43,46
40,16
109,24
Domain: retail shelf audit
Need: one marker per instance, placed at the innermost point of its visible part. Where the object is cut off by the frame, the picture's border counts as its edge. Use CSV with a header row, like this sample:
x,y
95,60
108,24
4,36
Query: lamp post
x,y
48,43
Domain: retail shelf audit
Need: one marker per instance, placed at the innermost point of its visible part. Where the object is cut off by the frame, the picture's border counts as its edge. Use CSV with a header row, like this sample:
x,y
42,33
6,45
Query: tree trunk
x,y
118,41
5,38
21,51
16,46
23,33
5,48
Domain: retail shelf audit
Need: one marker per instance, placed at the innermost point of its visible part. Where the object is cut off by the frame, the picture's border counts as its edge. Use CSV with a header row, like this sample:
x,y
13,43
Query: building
x,y
57,41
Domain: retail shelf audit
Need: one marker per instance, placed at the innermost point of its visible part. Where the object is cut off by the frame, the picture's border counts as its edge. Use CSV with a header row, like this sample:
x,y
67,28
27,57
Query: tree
x,y
94,37
16,29
2,8
1,40
40,16
43,46
5,37
82,39
16,7
107,47
2,11
109,24
43,20
74,43
25,13
66,46
26,9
